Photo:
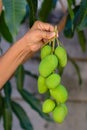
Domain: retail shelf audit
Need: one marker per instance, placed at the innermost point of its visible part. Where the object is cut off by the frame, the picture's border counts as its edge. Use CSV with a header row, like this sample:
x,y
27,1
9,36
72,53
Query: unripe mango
x,y
59,93
42,88
48,65
46,50
59,114
53,81
48,106
61,54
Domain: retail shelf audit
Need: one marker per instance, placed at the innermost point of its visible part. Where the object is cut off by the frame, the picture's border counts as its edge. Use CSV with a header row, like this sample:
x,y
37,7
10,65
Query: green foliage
x,y
22,116
33,11
20,77
82,40
7,112
77,69
1,106
14,13
45,9
34,103
4,31
10,21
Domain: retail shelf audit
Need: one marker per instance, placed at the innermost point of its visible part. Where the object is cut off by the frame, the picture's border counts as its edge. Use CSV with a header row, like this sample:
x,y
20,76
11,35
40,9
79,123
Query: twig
x,y
62,23
79,59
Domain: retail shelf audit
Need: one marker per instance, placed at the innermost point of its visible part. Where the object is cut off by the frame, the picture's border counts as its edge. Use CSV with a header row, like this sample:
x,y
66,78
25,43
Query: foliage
x,y
12,16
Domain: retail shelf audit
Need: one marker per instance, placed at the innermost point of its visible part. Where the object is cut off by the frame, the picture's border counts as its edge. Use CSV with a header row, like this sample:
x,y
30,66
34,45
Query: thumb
x,y
47,35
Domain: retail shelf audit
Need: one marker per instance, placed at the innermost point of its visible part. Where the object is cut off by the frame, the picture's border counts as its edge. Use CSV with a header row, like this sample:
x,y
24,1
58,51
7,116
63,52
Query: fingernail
x,y
52,34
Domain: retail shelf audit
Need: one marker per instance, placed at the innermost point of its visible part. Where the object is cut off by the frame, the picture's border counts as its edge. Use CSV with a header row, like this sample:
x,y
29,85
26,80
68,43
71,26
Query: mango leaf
x,y
70,9
45,9
20,77
35,104
33,11
4,31
73,2
82,40
81,13
22,116
7,90
1,106
14,13
77,69
31,74
83,24
69,26
69,30
54,3
7,115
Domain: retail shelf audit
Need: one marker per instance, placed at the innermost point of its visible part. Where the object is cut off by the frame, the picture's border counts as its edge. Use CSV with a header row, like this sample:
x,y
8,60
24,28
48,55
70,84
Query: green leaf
x,y
46,8
35,104
20,77
4,31
7,90
81,13
70,9
83,24
69,30
1,106
14,13
33,11
22,116
31,74
69,27
77,69
7,115
82,40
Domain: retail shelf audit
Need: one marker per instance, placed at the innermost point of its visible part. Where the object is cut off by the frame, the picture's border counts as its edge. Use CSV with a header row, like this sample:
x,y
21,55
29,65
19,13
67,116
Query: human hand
x,y
38,35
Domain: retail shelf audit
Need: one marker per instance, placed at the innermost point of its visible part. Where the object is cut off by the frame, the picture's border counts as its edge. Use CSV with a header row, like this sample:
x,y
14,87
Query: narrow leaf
x,y
35,104
33,11
14,13
4,31
83,24
7,115
82,40
46,8
31,74
1,106
69,30
22,116
7,89
69,26
77,69
81,13
20,77
70,9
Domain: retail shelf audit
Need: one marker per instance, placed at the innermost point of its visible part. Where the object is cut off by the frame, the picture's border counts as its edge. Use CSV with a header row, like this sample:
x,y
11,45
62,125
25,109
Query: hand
x,y
38,35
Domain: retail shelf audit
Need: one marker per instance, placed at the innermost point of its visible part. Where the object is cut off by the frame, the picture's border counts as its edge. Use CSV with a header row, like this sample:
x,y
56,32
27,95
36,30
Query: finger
x,y
43,26
47,35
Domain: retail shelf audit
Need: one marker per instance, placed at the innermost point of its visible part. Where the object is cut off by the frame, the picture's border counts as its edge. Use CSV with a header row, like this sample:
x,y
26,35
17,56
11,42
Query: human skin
x,y
24,48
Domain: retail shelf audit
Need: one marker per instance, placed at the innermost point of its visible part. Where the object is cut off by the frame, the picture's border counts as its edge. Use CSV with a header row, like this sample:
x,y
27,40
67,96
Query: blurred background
x,y
70,16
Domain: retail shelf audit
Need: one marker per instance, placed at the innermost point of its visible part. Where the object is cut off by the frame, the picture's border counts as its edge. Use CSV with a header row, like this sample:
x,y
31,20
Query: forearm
x,y
12,59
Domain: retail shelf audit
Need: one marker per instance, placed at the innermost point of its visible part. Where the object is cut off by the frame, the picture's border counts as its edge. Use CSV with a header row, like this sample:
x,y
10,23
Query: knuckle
x,y
37,22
